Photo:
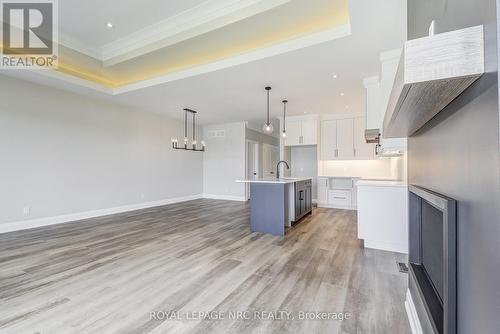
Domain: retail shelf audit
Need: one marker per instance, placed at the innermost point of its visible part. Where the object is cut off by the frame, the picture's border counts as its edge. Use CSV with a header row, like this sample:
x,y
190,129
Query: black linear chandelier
x,y
191,147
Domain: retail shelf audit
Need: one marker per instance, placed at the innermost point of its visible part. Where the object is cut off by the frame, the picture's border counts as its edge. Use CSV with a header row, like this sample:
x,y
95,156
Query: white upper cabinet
x,y
362,150
309,132
345,138
374,112
329,140
301,131
293,132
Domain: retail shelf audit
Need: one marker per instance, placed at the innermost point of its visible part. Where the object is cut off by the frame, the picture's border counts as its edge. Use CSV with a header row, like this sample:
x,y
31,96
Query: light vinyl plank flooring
x,y
105,275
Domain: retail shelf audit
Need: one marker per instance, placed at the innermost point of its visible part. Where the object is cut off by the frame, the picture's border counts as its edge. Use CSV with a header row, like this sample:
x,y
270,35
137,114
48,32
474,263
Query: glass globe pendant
x,y
268,127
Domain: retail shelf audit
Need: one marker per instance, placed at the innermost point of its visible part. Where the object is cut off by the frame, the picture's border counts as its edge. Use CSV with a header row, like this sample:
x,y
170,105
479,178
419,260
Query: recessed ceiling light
x,y
335,76
109,25
342,94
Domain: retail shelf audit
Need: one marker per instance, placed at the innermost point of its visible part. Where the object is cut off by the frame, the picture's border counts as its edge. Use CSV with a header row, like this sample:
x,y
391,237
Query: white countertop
x,y
282,180
381,183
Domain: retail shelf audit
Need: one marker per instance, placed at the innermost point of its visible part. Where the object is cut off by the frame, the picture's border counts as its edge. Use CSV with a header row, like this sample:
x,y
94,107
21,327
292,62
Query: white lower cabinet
x,y
337,192
340,198
383,215
322,190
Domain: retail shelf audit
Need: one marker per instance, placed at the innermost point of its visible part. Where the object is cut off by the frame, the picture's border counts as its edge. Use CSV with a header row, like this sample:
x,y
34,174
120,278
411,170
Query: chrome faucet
x,y
278,168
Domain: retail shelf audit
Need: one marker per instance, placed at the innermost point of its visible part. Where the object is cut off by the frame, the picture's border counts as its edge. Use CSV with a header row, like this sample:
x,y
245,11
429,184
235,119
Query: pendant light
x,y
193,146
283,134
268,127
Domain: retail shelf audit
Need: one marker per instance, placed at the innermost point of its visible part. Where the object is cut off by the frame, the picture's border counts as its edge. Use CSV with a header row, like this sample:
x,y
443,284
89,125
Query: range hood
x,y
432,72
372,136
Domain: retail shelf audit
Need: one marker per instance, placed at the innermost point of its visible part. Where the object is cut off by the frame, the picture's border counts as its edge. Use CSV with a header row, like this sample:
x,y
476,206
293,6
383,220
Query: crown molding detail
x,y
274,50
208,16
80,47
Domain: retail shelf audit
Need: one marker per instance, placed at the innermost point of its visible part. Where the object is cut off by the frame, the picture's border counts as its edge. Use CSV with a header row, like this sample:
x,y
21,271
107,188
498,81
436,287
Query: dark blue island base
x,y
275,205
269,207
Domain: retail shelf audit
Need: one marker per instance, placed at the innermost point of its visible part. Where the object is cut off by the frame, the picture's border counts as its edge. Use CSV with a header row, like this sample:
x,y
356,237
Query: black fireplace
x,y
433,259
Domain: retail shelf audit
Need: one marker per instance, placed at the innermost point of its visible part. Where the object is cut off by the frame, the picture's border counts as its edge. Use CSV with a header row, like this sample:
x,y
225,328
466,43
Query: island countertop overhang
x,y
283,180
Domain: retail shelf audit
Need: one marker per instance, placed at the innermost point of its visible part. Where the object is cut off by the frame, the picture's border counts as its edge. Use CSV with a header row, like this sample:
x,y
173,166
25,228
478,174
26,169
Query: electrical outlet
x,y
26,211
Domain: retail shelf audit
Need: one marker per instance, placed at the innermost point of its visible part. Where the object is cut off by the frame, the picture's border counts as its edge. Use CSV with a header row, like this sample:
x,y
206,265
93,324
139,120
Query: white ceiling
x,y
304,77
85,21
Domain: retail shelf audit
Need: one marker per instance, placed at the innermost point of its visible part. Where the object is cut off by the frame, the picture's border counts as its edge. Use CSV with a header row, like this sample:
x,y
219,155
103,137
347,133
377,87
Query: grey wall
x,y
63,153
457,154
224,162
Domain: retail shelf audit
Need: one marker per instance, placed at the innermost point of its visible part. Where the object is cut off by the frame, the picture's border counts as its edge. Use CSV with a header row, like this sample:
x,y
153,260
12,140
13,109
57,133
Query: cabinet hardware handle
x,y
300,195
335,197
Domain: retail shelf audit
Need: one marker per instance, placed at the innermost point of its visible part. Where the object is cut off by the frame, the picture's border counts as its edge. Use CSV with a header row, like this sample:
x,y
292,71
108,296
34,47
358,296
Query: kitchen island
x,y
276,203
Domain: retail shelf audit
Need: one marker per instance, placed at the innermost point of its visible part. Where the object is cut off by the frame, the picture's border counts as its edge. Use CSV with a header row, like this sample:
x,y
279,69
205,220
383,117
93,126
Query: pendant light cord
x,y
267,114
284,115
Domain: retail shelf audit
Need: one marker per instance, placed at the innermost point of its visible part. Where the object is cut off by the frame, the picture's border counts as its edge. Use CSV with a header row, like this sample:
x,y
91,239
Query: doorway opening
x,y
252,164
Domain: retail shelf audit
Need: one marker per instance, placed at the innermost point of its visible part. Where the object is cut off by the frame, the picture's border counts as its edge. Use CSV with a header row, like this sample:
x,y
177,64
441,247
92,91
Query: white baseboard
x,y
225,197
391,247
73,217
412,314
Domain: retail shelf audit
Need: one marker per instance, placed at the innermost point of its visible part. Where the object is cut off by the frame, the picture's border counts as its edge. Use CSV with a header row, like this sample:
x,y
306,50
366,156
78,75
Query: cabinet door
x,y
345,138
299,193
362,150
328,140
322,190
309,132
293,133
308,198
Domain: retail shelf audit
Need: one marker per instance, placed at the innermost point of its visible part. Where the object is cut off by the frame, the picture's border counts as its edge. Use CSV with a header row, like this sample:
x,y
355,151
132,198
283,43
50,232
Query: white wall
x,y
62,153
224,162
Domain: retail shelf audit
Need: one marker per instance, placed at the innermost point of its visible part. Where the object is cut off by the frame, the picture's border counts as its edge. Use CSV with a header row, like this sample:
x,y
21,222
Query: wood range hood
x,y
432,72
